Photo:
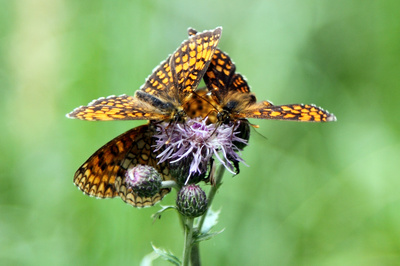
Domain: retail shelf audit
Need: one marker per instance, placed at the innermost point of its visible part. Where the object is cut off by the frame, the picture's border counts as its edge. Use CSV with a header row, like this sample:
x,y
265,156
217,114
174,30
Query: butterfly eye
x,y
252,99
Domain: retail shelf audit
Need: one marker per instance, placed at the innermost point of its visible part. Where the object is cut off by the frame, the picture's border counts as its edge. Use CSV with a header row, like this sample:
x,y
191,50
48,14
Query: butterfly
x,y
165,91
103,174
235,102
163,97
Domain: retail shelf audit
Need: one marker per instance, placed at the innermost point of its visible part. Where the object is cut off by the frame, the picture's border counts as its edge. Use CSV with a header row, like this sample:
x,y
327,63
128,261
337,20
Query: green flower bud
x,y
144,180
191,201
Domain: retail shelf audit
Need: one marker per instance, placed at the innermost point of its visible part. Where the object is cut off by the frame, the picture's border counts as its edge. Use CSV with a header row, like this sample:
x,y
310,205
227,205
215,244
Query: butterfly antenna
x,y
258,133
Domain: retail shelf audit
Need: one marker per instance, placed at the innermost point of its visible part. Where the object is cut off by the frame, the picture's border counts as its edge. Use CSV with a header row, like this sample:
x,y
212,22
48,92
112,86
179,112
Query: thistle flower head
x,y
191,201
144,180
194,143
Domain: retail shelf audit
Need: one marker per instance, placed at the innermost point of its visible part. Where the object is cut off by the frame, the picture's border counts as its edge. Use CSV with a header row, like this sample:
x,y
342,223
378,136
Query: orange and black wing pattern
x,y
182,71
171,86
192,59
173,82
293,112
221,77
232,94
164,91
121,107
103,174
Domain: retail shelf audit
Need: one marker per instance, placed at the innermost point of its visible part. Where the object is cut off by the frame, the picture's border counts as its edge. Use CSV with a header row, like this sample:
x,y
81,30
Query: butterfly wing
x,y
121,107
294,112
164,90
191,60
181,72
103,174
159,86
233,95
220,77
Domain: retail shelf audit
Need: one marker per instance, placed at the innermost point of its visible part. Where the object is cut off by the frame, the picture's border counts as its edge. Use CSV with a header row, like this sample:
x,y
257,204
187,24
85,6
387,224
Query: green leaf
x,y
167,256
206,236
210,221
149,258
157,215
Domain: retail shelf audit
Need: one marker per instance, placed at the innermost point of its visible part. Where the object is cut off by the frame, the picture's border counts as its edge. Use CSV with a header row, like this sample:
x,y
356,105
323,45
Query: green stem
x,y
191,251
218,181
188,226
195,255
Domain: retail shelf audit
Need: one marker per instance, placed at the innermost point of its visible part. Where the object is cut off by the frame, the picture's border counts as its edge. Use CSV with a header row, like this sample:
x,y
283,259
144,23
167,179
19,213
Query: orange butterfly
x,y
103,174
235,102
166,90
231,97
163,97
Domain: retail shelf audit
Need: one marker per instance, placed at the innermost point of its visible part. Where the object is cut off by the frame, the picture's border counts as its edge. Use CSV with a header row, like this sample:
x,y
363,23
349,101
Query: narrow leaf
x,y
149,258
157,215
206,236
167,256
210,221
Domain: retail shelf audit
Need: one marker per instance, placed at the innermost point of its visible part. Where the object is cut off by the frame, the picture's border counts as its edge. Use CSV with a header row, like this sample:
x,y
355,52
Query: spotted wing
x,y
295,112
121,107
220,74
220,77
103,174
160,85
201,104
179,75
191,60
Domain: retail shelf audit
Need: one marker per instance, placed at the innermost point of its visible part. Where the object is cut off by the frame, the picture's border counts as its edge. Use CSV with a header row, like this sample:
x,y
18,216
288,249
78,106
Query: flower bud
x,y
191,201
181,170
144,180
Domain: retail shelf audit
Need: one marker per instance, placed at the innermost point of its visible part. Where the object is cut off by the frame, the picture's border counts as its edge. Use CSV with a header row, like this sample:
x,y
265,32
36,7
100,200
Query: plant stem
x,y
192,251
195,255
188,227
218,181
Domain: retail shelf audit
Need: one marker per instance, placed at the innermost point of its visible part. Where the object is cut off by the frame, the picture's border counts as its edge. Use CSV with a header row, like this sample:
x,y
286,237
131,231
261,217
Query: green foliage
x,y
314,194
168,256
210,221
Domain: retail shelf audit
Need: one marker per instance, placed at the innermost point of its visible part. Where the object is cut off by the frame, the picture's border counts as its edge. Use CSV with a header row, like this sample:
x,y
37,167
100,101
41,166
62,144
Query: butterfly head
x,y
231,108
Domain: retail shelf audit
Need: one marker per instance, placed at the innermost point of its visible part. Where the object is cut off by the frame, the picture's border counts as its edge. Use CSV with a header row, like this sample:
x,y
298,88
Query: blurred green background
x,y
314,194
